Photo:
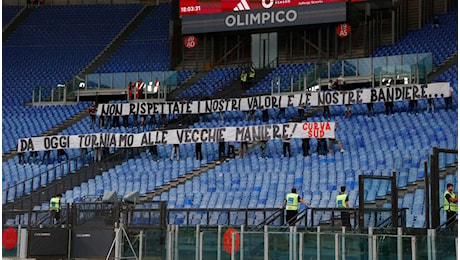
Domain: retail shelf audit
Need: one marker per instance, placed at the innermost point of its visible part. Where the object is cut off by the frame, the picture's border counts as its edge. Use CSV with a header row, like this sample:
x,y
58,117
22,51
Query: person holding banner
x,y
33,157
287,147
389,104
301,111
263,145
21,158
198,153
430,105
448,100
222,150
348,110
243,149
321,146
231,149
305,146
175,150
370,109
335,140
46,155
412,106
326,112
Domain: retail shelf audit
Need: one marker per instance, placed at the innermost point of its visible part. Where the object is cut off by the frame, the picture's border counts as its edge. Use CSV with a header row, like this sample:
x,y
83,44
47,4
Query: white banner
x,y
180,136
322,98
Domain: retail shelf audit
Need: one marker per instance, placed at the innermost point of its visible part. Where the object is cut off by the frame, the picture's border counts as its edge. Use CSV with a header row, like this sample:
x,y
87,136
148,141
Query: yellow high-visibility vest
x,y
450,205
292,201
54,204
340,201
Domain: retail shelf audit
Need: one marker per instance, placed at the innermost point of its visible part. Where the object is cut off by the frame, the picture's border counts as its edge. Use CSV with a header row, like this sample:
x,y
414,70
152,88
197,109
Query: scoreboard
x,y
204,16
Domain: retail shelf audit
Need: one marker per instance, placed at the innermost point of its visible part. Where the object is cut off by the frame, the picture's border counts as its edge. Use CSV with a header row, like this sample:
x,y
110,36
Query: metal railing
x,y
61,177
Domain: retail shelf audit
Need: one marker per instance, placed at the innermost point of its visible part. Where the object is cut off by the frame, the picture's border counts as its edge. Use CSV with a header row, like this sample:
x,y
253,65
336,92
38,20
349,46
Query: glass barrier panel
x,y
404,70
131,77
422,72
428,64
210,244
425,55
154,246
350,67
106,80
335,70
119,80
394,60
409,59
446,246
92,81
356,246
187,242
387,247
327,246
279,244
145,76
364,66
379,62
310,243
253,245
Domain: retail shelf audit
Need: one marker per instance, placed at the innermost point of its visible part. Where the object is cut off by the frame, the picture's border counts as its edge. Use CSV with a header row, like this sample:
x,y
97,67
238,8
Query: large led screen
x,y
253,15
191,7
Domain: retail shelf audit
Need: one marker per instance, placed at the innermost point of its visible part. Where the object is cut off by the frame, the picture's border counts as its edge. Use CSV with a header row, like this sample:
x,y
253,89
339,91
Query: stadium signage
x,y
259,18
262,18
179,136
190,42
343,30
322,98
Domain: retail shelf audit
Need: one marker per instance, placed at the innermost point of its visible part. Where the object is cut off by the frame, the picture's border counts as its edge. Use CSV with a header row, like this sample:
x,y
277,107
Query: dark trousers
x,y
322,146
412,106
326,112
301,113
56,215
291,217
450,218
231,150
305,147
222,151
389,108
345,219
448,101
287,149
46,155
198,154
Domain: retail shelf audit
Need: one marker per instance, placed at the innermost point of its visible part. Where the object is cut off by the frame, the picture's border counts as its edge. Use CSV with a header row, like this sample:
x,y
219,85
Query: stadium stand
x,y
376,145
441,41
147,48
211,83
8,13
55,44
